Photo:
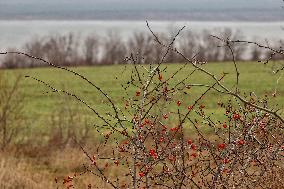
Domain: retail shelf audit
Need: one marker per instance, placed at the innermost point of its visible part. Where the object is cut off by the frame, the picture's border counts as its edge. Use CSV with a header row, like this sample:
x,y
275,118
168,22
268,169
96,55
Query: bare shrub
x,y
62,50
207,50
91,50
114,49
141,46
237,49
188,44
67,125
35,47
170,40
156,50
12,61
275,56
11,110
256,53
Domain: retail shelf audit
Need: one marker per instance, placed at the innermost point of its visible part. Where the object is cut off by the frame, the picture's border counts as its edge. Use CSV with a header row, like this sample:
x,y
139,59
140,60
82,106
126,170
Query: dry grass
x,y
29,172
40,172
16,173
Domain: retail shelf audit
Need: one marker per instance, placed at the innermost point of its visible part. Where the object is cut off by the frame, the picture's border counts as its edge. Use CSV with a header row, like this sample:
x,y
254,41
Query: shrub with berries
x,y
161,140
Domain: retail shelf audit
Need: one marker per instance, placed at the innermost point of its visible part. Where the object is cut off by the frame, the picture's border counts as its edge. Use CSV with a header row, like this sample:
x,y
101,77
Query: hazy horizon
x,y
212,13
200,10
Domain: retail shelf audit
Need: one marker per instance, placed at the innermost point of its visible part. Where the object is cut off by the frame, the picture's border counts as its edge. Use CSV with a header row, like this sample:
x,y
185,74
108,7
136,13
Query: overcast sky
x,y
145,4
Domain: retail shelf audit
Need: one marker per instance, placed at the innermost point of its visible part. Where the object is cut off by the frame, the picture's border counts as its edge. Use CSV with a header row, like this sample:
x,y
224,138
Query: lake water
x,y
16,33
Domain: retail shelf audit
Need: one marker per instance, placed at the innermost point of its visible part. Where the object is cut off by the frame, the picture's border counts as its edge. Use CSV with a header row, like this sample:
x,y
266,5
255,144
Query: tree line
x,y
71,50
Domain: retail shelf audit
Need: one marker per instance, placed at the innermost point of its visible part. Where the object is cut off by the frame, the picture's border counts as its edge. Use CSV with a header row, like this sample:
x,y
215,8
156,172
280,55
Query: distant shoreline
x,y
156,15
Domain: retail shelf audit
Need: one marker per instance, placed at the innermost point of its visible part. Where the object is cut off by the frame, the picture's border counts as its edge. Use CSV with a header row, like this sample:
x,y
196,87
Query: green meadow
x,y
40,105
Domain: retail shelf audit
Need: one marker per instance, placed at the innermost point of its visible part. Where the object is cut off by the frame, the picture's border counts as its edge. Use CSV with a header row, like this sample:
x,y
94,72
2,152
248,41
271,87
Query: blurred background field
x,y
261,81
40,105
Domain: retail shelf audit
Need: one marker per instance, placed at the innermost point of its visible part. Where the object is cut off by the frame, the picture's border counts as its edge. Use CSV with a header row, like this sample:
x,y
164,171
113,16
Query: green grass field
x,y
254,77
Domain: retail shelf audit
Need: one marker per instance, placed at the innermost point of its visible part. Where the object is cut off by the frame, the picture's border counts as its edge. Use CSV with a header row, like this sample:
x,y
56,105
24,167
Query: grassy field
x,y
254,77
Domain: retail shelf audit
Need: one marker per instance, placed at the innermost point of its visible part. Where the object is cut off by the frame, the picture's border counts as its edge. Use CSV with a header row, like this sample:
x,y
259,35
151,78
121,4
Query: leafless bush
x,y
171,40
238,49
12,61
206,47
256,53
275,56
62,50
91,50
156,51
11,110
67,125
37,48
188,44
114,49
141,46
